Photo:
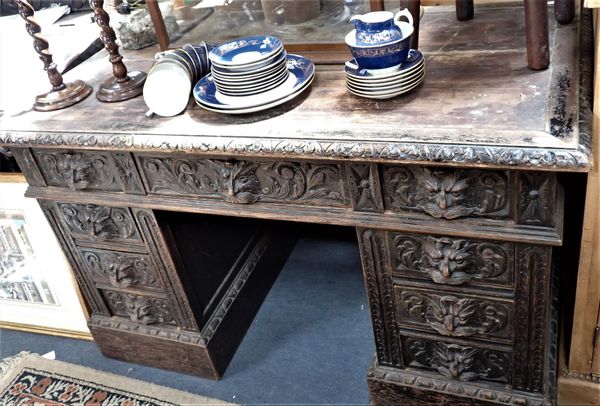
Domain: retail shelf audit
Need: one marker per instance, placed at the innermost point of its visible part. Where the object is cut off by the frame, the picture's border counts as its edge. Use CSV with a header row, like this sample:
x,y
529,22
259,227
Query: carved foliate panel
x,y
364,187
89,170
99,223
537,197
457,362
452,260
246,182
121,270
139,309
455,315
447,193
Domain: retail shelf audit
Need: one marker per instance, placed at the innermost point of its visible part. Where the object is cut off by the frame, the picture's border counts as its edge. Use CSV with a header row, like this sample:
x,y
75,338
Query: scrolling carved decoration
x,y
447,194
140,309
452,261
89,170
121,270
458,362
455,316
99,222
245,182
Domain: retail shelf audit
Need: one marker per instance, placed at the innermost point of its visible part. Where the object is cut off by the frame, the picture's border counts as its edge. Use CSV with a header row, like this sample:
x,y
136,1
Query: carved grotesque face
x,y
122,274
447,259
456,362
241,182
143,311
444,193
77,170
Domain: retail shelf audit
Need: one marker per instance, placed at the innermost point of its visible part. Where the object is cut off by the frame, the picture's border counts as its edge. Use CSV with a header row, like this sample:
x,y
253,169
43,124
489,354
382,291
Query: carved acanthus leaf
x,y
246,182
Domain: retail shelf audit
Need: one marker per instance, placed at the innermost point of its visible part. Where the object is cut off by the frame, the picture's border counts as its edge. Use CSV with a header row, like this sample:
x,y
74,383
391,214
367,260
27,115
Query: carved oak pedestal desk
x,y
453,190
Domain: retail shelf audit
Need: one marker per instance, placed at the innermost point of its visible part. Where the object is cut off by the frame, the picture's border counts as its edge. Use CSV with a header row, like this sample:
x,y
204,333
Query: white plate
x,y
239,88
281,66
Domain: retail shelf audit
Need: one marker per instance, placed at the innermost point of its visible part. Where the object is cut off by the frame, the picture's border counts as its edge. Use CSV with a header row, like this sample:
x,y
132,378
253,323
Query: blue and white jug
x,y
379,27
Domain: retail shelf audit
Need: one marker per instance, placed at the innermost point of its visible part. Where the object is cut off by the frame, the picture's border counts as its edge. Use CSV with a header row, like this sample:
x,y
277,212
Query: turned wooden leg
x,y
414,6
377,5
464,10
536,26
564,11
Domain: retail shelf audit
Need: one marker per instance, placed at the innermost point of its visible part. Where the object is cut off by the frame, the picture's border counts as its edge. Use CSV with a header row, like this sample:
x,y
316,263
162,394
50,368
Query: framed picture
x,y
314,27
38,292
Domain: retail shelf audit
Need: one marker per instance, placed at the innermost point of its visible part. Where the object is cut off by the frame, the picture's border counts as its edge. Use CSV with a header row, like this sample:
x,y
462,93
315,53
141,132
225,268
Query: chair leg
x,y
464,10
414,6
536,26
564,11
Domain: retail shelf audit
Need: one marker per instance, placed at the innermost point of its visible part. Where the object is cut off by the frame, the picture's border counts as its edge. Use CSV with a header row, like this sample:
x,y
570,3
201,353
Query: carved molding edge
x,y
468,390
188,337
380,292
522,157
235,288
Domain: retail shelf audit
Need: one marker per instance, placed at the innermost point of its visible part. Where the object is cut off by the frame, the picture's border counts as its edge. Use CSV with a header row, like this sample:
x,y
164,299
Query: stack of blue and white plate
x,y
252,74
403,79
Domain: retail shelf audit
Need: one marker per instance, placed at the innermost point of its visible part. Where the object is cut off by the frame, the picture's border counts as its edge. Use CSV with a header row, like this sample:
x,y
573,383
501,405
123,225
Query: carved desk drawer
x,y
245,181
141,309
453,261
88,170
458,362
121,270
524,198
455,315
99,223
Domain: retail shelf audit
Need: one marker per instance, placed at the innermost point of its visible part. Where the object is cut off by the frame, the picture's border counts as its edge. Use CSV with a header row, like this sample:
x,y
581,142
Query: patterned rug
x,y
28,379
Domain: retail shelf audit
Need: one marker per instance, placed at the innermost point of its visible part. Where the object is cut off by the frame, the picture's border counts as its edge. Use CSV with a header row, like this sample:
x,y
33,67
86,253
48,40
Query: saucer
x,y
414,58
245,51
390,82
388,94
301,72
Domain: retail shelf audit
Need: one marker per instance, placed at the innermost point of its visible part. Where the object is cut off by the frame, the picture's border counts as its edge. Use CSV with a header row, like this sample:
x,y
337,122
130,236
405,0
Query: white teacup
x,y
167,89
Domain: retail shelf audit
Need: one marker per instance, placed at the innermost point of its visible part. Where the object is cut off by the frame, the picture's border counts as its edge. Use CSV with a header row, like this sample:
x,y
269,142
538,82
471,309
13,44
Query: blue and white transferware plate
x,y
387,82
415,58
301,72
245,50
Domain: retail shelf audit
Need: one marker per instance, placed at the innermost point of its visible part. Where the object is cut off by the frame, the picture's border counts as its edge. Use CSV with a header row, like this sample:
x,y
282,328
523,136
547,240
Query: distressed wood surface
x,y
479,105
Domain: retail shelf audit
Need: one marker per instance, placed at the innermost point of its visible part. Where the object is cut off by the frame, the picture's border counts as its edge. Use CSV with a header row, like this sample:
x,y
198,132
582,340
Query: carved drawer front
x,y
457,362
121,270
99,223
455,315
453,260
142,309
448,193
89,170
245,182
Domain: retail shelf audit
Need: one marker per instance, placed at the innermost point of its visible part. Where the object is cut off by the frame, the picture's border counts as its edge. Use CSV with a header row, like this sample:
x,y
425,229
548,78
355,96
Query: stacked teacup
x,y
249,66
169,82
384,66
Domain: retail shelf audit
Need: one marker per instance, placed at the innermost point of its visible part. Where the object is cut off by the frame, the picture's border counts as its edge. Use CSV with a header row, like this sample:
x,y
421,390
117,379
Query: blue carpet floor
x,y
311,342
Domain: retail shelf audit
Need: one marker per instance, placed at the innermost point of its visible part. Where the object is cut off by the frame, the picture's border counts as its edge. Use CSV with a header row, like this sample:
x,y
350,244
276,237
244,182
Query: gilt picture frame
x,y
38,292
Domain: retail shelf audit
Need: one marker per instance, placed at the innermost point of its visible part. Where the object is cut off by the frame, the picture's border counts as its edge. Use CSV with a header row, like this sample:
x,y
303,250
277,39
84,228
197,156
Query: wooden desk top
x,y
479,106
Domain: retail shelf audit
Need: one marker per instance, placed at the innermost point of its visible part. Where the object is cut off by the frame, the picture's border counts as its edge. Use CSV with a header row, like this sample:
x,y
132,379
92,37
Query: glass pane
x,y
294,21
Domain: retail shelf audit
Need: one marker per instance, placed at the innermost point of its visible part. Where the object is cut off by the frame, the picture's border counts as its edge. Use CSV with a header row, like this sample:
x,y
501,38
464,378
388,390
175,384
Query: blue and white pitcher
x,y
379,27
